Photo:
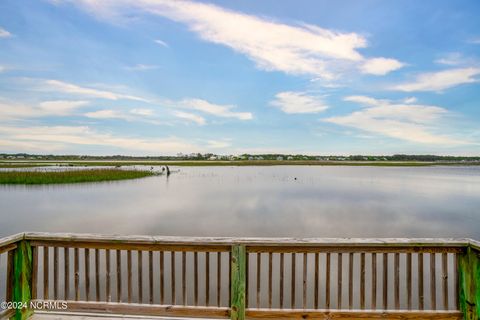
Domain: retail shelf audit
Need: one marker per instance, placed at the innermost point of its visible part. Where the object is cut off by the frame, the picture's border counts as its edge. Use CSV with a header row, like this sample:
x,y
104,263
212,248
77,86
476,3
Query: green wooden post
x,y
22,278
238,285
469,284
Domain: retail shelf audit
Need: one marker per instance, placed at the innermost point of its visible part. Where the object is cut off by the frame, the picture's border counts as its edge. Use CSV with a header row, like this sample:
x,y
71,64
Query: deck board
x,y
95,316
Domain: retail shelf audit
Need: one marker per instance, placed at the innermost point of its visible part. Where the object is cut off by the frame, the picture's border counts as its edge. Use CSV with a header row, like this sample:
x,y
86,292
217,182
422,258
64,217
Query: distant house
x,y
259,158
289,158
279,158
250,158
212,158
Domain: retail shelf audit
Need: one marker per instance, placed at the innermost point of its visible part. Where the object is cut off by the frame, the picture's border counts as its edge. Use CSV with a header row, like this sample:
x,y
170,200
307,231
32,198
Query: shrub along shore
x,y
70,176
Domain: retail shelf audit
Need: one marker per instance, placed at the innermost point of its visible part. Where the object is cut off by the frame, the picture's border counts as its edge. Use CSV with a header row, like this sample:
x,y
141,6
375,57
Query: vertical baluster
x,y
34,271
55,273
108,279
150,276
259,270
219,278
45,273
315,294
304,281
433,286
409,281
340,280
396,285
172,272
162,278
327,282
362,280
420,282
293,280
374,281
184,282
140,275
350,281
247,255
230,278
10,275
119,275
445,280
87,273
270,288
195,277
282,271
97,274
207,278
66,253
76,266
455,281
129,276
385,281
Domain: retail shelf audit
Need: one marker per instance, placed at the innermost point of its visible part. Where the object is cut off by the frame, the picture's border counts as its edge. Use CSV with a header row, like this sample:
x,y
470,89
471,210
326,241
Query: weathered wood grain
x,y
238,275
351,314
146,309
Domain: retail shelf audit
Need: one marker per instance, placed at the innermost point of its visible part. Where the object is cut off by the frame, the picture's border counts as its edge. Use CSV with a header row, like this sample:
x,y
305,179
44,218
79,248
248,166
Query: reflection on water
x,y
296,201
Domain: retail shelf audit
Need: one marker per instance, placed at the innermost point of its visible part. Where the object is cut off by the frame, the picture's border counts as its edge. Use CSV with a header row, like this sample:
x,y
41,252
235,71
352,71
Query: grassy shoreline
x,y
26,164
71,176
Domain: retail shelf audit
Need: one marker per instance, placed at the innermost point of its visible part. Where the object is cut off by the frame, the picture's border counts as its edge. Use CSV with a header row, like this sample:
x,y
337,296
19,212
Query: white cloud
x,y
61,137
300,49
224,111
410,100
107,114
2,68
143,112
60,107
380,66
438,81
15,111
451,59
162,43
142,115
4,33
414,123
142,67
298,102
474,40
69,88
368,101
190,117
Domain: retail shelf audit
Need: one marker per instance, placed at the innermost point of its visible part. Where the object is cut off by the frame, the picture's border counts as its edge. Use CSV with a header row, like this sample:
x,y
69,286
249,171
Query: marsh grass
x,y
71,176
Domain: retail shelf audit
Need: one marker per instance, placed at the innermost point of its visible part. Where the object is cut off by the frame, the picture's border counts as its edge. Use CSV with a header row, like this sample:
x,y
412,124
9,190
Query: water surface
x,y
283,201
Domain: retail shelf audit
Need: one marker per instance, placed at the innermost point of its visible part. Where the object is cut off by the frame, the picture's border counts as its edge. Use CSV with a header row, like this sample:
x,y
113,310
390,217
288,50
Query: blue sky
x,y
157,77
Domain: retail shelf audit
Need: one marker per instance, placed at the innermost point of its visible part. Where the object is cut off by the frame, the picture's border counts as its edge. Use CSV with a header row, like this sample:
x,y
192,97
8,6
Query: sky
x,y
161,77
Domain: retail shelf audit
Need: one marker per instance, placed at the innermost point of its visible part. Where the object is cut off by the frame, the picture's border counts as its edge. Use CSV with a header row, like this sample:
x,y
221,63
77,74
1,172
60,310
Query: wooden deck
x,y
142,277
96,316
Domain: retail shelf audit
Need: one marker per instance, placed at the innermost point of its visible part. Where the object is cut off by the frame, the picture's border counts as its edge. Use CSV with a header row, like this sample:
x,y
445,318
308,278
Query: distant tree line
x,y
211,156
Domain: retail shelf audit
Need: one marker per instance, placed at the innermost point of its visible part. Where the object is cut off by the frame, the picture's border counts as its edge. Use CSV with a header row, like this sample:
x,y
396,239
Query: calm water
x,y
293,201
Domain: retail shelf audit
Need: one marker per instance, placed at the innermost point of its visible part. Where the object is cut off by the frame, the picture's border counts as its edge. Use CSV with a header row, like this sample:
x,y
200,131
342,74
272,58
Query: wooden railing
x,y
242,278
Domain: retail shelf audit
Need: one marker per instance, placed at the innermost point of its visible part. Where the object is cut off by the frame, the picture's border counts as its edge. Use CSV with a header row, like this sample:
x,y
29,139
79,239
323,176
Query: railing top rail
x,y
220,241
11,239
474,244
228,241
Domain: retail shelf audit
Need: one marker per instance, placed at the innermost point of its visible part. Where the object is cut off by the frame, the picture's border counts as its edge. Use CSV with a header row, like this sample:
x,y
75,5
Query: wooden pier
x,y
238,278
